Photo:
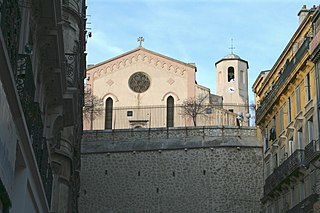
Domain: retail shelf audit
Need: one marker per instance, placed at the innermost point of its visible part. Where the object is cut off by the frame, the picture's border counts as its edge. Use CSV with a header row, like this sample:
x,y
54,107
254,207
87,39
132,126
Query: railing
x,y
10,27
156,116
292,163
26,90
270,97
72,75
312,150
305,205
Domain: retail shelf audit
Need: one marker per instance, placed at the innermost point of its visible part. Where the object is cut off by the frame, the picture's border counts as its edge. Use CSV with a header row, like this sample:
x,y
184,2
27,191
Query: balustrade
x,y
10,27
291,164
26,89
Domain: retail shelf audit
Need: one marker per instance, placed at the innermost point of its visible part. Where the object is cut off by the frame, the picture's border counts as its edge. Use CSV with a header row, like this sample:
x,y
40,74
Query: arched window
x,y
109,106
230,74
170,111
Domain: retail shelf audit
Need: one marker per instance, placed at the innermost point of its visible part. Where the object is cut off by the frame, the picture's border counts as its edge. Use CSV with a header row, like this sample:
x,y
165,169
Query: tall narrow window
x,y
109,108
308,92
265,139
273,129
310,129
300,139
230,74
291,146
298,102
275,160
289,110
170,111
281,120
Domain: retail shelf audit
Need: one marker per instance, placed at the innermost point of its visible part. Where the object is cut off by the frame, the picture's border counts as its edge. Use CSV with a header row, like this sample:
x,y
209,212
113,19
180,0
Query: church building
x,y
144,89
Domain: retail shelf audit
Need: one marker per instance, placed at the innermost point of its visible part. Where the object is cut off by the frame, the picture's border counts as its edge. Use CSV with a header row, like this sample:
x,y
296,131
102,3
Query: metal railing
x,y
72,75
291,164
156,116
10,26
271,96
312,150
305,205
26,90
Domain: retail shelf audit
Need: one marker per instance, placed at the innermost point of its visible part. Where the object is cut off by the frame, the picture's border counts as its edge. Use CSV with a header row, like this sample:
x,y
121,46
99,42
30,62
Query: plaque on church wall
x,y
139,82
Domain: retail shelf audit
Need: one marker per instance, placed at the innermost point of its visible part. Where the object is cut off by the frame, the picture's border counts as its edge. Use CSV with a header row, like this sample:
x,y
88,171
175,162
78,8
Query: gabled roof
x,y
140,48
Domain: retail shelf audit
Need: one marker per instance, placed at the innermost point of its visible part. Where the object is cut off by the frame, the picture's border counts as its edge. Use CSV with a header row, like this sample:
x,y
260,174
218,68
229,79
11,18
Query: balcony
x,y
312,150
10,26
269,99
26,89
281,174
305,205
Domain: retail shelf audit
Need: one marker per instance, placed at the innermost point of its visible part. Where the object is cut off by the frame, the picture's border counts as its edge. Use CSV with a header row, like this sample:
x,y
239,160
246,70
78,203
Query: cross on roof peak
x,y
140,40
232,46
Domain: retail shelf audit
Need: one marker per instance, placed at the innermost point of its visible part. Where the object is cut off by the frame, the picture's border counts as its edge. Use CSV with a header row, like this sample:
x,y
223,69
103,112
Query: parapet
x,y
100,141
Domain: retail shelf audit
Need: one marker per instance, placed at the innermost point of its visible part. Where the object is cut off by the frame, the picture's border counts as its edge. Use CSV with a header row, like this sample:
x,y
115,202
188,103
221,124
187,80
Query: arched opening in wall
x,y
230,74
170,111
109,108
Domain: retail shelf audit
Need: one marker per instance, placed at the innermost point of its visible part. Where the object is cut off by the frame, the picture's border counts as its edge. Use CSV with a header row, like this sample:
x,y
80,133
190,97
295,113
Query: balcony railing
x,y
10,26
286,169
26,90
72,63
305,205
271,96
312,150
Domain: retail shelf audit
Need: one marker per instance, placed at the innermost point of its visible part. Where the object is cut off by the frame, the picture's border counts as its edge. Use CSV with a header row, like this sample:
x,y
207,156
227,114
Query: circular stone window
x,y
139,82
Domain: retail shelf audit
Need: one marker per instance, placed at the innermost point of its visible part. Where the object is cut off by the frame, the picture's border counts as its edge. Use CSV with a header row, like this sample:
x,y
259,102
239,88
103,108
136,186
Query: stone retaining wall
x,y
201,170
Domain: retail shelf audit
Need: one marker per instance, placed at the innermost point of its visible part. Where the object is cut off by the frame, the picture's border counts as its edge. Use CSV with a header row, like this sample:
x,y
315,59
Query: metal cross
x,y
232,47
140,39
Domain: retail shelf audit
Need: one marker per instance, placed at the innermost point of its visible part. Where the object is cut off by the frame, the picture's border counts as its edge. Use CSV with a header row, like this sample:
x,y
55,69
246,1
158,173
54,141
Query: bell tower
x,y
232,83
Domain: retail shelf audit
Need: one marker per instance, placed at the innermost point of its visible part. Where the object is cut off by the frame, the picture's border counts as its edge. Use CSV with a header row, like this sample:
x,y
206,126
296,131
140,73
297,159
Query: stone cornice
x,y
137,56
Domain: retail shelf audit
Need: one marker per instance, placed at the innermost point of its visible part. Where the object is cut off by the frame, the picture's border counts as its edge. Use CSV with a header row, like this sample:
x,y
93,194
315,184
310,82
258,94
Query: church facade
x,y
144,89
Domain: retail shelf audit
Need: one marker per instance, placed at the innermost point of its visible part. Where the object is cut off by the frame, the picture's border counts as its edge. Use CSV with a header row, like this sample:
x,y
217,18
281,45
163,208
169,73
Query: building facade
x,y
314,49
144,89
287,122
42,64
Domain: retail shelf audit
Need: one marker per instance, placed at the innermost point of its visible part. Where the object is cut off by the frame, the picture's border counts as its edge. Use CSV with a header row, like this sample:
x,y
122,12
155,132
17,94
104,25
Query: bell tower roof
x,y
230,57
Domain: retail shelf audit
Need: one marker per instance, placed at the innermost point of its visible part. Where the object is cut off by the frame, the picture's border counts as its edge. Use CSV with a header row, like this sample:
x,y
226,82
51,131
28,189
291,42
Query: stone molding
x,y
137,57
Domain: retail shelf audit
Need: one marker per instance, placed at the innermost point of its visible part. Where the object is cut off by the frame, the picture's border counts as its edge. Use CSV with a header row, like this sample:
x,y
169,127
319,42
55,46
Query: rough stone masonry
x,y
193,169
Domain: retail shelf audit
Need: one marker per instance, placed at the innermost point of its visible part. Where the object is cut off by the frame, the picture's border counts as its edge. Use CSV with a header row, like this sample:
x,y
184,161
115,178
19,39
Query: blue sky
x,y
195,31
